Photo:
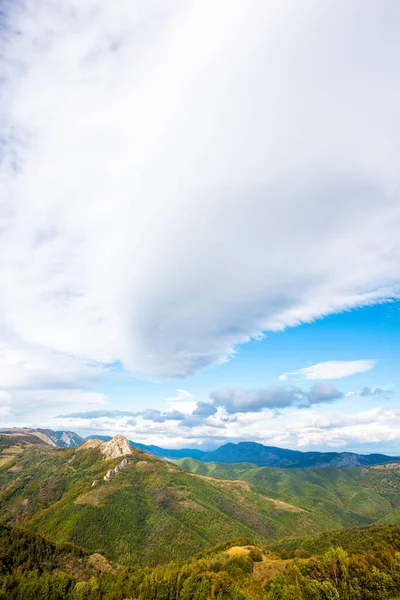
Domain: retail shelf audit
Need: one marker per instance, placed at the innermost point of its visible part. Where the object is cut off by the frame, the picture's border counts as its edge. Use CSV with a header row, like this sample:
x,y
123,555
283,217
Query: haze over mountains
x,y
270,456
252,452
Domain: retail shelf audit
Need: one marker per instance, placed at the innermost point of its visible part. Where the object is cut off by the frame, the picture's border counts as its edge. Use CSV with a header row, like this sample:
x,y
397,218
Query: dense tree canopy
x,y
368,568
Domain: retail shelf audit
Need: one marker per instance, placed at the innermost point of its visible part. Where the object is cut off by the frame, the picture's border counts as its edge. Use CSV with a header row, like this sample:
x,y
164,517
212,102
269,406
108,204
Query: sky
x,y
199,217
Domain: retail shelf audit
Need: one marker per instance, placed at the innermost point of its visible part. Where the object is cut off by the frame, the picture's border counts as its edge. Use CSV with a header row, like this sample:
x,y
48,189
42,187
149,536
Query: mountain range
x,y
230,453
107,520
267,456
114,499
62,439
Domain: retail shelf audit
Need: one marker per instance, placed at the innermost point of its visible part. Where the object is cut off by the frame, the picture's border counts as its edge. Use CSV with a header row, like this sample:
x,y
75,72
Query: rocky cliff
x,y
117,446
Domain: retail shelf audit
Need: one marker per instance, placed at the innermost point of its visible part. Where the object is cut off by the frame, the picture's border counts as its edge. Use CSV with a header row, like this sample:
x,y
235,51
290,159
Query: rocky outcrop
x,y
90,444
114,448
113,472
117,446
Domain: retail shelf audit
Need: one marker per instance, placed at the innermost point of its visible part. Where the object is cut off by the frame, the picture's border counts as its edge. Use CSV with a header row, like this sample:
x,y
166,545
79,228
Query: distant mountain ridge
x,y
230,453
271,456
62,439
266,456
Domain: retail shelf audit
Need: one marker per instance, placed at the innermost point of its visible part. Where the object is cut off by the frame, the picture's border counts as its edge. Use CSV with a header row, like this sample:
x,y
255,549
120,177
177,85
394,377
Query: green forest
x,y
366,566
191,531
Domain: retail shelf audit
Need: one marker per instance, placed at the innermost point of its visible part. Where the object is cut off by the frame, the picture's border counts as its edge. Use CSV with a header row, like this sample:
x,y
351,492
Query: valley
x,y
118,509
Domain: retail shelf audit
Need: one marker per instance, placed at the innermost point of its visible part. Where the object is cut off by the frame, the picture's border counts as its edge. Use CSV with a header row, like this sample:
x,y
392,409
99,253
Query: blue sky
x,y
369,333
199,220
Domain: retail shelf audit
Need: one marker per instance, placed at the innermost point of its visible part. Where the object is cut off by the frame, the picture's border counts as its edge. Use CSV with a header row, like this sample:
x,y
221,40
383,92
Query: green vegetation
x,y
331,497
32,568
155,511
152,512
159,530
354,564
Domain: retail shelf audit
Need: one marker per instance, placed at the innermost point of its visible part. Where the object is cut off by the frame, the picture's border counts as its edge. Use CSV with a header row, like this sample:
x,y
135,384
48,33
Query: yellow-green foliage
x,y
32,568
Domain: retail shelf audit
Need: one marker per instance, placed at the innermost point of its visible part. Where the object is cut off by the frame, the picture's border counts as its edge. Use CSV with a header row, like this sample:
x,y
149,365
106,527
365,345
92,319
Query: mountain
x,y
342,497
116,500
63,439
170,453
251,452
132,507
173,454
266,456
107,520
270,456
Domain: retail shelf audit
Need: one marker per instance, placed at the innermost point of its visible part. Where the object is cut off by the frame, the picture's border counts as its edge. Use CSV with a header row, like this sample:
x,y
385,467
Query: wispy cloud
x,y
29,366
197,417
231,400
184,401
333,369
376,391
147,219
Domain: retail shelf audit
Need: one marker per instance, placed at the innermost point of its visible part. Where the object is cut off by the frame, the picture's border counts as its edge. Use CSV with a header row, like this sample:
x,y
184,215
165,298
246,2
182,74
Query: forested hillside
x,y
365,567
341,497
154,511
119,523
150,512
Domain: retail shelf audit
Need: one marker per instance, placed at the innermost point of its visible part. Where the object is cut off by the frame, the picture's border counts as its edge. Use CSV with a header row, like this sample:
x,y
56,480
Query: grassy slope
x,y
155,511
346,497
152,511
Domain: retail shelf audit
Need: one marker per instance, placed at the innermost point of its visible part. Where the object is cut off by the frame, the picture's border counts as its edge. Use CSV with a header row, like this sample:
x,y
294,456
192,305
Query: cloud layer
x,y
333,369
375,429
235,400
177,179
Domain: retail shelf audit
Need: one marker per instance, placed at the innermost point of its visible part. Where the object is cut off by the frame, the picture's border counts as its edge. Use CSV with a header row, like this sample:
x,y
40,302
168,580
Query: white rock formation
x,y
112,472
117,446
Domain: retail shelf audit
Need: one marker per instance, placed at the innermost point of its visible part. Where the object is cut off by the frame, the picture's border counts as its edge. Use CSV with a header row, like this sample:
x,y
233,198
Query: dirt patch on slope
x,y
102,564
267,569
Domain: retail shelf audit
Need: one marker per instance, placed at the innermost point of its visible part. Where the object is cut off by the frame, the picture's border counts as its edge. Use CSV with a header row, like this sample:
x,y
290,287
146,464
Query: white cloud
x,y
35,367
5,400
238,400
333,369
377,426
377,429
33,408
177,178
184,402
5,397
